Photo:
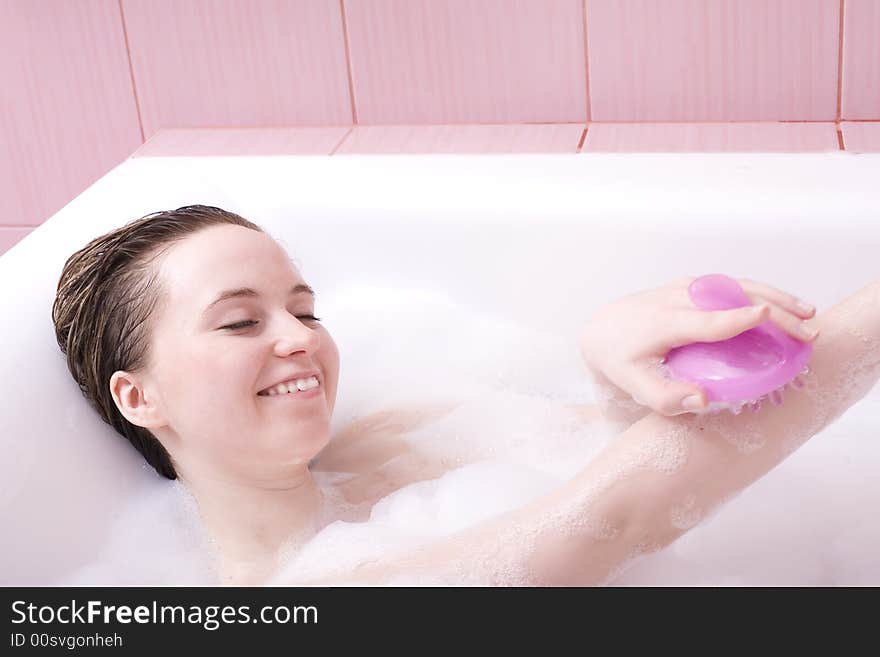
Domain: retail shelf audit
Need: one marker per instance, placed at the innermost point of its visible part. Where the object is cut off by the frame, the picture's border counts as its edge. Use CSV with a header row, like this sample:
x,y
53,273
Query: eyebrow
x,y
250,292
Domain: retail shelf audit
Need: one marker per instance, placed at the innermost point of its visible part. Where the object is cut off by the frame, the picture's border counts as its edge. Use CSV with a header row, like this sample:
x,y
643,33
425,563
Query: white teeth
x,y
307,384
293,386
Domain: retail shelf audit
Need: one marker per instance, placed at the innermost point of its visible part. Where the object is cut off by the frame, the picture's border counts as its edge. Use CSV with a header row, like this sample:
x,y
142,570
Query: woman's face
x,y
211,355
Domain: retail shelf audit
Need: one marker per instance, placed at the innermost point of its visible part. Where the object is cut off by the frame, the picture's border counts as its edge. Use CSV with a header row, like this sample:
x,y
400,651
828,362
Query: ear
x,y
128,392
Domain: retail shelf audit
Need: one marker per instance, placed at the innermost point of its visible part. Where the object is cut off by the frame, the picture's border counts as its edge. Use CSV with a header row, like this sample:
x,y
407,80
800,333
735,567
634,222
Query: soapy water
x,y
511,436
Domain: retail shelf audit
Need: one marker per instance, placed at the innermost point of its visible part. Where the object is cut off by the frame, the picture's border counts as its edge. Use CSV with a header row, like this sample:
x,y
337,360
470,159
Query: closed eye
x,y
253,322
240,325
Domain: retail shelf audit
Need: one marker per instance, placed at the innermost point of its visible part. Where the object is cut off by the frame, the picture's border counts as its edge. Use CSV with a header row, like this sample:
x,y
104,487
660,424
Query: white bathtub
x,y
540,240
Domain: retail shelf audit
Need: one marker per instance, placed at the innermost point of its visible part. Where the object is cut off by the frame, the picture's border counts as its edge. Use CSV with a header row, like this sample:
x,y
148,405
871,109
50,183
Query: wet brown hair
x,y
106,297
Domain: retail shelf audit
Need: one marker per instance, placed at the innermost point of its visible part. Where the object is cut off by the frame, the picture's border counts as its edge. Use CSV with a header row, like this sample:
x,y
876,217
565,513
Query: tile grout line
x,y
589,110
137,103
840,62
321,126
354,116
341,141
583,139
840,34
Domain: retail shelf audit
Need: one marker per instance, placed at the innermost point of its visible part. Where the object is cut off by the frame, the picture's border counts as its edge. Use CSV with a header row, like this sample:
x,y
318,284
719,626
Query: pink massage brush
x,y
746,369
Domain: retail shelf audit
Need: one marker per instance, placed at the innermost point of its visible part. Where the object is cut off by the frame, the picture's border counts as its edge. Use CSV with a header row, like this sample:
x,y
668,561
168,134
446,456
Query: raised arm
x,y
654,481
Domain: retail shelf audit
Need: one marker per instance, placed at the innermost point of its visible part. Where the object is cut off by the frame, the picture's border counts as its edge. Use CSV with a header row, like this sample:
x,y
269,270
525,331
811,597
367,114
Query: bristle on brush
x,y
754,405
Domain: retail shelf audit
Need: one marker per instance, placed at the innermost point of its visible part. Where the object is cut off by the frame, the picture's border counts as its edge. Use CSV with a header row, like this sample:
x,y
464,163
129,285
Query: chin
x,y
309,448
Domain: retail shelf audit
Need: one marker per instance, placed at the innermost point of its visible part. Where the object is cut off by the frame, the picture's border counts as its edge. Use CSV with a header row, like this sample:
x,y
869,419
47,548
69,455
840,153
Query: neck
x,y
254,523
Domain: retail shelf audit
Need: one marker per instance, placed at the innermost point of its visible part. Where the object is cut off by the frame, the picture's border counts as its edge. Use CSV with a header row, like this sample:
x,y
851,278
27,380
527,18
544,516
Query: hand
x,y
625,342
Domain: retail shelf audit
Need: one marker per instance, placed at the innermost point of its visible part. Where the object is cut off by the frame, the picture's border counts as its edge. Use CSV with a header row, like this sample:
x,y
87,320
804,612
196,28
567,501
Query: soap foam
x,y
509,438
686,514
158,540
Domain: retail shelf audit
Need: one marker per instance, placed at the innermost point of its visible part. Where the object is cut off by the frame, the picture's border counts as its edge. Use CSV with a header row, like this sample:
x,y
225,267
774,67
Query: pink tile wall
x,y
460,61
10,236
236,63
558,138
244,141
861,137
861,60
711,137
769,137
84,82
67,111
719,60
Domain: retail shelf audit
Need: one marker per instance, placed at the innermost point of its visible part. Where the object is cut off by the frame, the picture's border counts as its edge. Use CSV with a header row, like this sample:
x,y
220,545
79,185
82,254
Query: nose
x,y
293,335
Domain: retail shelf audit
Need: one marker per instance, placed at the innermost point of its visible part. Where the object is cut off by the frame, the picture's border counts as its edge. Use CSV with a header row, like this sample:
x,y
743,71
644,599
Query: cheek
x,y
328,357
210,384
335,358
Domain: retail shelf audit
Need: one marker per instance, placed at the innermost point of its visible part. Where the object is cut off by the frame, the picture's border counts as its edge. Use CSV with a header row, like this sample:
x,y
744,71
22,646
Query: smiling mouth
x,y
294,388
305,395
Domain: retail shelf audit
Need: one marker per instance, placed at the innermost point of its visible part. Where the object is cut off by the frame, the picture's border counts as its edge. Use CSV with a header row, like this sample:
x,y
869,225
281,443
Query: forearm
x,y
666,473
657,479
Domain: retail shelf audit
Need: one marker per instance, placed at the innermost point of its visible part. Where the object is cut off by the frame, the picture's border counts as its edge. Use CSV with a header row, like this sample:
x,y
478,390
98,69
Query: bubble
x,y
665,451
746,431
157,540
686,515
856,370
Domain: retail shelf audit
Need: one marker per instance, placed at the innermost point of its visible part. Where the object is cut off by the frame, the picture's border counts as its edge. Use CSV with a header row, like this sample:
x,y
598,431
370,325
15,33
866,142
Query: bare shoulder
x,y
394,422
373,450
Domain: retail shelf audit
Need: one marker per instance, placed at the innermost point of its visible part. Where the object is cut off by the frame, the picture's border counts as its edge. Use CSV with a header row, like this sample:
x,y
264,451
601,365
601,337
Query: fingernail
x,y
804,307
807,330
692,403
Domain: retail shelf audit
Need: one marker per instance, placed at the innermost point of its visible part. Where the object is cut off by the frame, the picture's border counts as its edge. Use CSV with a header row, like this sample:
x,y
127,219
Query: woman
x,y
194,336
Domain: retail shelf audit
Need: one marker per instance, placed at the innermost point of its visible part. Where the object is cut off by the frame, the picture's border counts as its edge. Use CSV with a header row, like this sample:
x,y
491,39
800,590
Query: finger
x,y
648,387
714,325
792,324
782,299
